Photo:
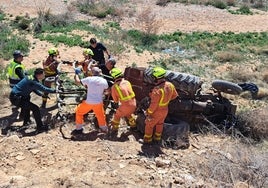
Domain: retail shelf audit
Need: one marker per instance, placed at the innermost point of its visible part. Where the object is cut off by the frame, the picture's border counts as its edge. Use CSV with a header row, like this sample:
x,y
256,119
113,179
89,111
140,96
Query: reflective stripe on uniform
x,y
147,138
121,96
157,136
161,102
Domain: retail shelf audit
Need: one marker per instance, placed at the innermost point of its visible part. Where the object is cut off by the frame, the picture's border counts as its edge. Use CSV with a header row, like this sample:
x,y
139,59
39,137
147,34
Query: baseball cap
x,y
112,60
17,53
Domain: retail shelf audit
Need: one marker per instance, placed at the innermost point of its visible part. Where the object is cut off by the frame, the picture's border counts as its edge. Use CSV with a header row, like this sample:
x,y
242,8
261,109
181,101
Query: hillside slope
x,y
53,160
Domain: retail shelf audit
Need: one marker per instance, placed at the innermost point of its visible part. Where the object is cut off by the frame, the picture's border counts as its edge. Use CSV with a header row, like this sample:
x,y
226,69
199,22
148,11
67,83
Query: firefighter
x,y
86,65
50,66
162,93
16,70
122,92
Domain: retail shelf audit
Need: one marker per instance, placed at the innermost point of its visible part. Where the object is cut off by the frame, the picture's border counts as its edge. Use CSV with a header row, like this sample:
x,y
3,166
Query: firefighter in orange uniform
x,y
122,92
162,93
86,65
50,66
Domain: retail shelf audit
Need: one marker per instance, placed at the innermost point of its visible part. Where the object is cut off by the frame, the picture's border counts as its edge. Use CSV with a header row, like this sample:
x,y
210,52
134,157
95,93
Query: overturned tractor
x,y
192,107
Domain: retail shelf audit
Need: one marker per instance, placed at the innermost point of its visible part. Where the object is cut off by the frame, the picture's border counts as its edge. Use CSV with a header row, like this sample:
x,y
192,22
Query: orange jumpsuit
x,y
122,92
50,69
160,96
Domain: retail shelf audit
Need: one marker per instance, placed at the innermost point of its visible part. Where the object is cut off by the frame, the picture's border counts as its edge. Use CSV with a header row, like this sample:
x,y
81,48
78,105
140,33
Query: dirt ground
x,y
52,159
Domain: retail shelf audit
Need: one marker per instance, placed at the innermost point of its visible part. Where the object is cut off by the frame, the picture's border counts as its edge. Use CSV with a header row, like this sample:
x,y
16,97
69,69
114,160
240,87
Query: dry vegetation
x,y
236,157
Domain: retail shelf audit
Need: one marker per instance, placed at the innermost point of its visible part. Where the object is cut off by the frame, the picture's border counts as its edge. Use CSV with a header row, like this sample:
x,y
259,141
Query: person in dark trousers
x,y
106,68
20,96
98,50
16,72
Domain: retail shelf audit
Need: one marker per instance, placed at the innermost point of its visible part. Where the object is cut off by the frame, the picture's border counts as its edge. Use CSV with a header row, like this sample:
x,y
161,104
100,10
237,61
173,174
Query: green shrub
x,y
98,9
218,4
2,15
72,40
47,20
245,10
10,42
22,22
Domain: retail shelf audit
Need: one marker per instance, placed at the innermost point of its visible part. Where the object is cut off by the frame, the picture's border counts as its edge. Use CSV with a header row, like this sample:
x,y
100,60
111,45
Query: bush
x,y
254,124
218,4
22,22
98,9
45,19
10,42
227,56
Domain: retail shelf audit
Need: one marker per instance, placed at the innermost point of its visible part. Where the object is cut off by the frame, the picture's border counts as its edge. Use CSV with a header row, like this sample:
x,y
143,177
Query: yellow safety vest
x,y
13,77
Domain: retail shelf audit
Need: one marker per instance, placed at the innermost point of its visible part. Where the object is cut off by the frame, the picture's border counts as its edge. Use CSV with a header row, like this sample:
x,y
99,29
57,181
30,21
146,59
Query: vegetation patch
x,y
10,41
254,123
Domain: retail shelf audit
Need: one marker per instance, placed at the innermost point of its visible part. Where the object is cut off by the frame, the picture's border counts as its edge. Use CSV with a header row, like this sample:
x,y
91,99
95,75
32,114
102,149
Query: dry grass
x,y
265,77
228,56
4,92
228,164
254,124
147,22
240,74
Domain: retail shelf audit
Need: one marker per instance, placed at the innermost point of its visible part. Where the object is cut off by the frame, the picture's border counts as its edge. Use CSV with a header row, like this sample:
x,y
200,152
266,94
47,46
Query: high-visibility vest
x,y
13,77
125,96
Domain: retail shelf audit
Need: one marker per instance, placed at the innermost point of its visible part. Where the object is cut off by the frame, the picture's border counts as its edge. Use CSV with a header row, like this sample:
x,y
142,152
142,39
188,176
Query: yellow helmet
x,y
53,51
158,72
88,52
116,73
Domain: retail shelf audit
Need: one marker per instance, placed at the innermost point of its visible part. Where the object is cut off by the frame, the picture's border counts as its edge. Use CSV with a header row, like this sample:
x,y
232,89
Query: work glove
x,y
77,70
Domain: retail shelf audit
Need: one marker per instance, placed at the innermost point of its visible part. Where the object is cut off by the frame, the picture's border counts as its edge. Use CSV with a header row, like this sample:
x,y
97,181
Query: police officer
x,y
16,70
20,96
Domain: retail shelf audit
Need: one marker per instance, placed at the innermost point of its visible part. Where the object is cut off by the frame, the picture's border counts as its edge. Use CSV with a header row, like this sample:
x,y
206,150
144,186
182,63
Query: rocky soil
x,y
52,159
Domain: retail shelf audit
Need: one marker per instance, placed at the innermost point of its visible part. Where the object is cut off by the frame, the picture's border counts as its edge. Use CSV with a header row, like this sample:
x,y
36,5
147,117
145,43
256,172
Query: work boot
x,y
147,139
133,129
27,123
76,132
104,129
42,128
144,142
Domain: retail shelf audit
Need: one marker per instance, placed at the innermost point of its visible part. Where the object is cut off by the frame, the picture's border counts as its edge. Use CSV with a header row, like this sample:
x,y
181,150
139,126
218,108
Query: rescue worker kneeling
x,y
122,92
162,93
